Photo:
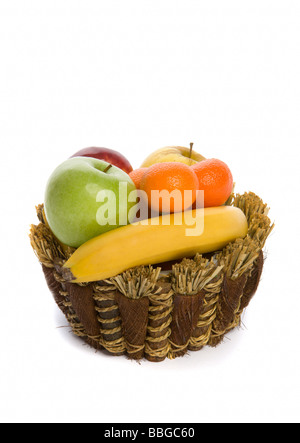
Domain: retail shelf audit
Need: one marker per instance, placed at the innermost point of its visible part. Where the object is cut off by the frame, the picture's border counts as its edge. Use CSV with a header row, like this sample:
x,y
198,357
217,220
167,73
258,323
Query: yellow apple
x,y
173,154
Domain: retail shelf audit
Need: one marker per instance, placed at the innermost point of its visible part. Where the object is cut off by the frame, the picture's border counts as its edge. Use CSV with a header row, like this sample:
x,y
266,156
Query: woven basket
x,y
148,313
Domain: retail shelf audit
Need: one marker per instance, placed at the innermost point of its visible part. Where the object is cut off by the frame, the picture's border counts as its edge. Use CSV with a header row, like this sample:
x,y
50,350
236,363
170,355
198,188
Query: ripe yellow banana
x,y
156,240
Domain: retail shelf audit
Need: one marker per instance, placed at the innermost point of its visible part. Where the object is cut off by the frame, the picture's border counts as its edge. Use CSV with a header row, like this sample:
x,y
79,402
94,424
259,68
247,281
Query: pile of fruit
x,y
119,218
107,232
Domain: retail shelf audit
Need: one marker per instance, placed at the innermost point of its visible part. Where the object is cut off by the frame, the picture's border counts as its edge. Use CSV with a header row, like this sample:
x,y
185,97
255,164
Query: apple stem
x,y
107,168
191,149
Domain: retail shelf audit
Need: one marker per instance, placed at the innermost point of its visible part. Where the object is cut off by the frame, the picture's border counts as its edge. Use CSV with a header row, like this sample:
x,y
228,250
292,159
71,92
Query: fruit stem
x,y
191,149
107,168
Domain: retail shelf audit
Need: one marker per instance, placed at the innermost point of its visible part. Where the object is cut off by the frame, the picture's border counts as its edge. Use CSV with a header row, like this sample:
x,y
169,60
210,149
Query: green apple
x,y
86,197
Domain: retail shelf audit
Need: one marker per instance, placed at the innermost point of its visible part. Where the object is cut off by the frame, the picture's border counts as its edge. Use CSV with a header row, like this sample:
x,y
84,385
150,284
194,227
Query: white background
x,y
134,76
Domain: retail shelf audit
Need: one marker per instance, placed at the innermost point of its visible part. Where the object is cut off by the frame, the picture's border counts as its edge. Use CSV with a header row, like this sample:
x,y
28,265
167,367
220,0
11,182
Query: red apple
x,y
108,155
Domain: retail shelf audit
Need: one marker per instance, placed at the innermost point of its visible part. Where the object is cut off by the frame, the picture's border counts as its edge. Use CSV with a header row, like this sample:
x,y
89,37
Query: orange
x,y
136,176
166,185
215,179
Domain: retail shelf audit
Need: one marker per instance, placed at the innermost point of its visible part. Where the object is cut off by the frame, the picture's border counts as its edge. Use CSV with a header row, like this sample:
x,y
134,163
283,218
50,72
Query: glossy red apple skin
x,y
108,155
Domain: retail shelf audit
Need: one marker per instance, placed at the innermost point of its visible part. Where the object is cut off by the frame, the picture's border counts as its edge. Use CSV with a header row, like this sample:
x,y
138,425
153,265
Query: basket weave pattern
x,y
144,313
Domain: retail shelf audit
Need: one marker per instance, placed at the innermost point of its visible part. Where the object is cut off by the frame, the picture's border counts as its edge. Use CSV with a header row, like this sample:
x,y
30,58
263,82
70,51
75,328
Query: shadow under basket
x,y
147,313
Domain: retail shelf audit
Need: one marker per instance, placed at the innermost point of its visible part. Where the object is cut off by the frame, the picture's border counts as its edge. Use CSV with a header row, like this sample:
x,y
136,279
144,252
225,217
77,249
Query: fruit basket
x,y
161,311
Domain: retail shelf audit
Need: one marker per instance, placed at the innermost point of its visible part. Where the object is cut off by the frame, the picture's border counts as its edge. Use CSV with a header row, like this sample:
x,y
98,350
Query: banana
x,y
156,240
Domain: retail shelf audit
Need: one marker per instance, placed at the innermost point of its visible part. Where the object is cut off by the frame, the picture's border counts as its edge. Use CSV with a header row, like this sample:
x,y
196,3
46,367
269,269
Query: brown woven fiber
x,y
147,313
